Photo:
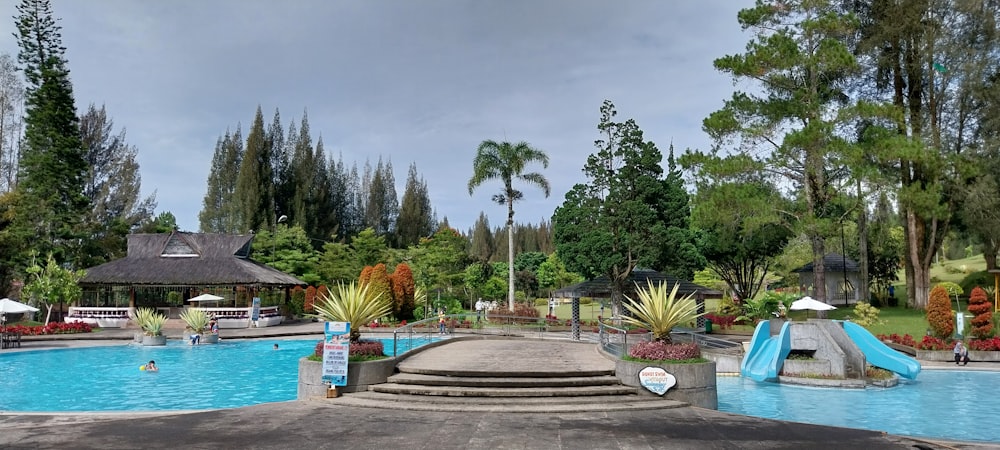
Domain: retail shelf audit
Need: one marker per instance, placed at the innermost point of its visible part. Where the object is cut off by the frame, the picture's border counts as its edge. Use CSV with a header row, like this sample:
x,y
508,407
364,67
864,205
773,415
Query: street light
x,y
274,237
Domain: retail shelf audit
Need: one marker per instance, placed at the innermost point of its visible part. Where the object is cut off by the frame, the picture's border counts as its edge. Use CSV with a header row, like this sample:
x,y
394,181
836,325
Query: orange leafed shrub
x,y
321,292
939,315
310,298
366,275
982,311
403,288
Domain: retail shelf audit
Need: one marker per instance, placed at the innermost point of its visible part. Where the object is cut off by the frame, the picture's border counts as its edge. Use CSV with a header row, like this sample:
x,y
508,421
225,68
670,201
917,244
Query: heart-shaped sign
x,y
656,380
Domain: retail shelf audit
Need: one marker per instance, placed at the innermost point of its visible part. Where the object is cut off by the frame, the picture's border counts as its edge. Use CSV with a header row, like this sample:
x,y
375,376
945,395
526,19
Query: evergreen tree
x,y
788,125
284,183
303,168
482,243
254,194
219,212
414,219
52,168
382,207
113,186
279,166
11,121
627,215
321,201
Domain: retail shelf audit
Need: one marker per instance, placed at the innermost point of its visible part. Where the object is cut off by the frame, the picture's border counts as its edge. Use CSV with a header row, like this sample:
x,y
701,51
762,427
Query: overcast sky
x,y
412,81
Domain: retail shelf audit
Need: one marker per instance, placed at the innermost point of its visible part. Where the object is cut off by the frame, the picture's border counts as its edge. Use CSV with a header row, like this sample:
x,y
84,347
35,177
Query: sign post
x,y
336,348
255,311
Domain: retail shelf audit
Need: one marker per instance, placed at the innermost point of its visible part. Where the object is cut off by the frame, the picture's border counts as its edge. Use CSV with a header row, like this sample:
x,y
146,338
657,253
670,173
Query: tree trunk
x,y
918,291
864,291
819,271
510,252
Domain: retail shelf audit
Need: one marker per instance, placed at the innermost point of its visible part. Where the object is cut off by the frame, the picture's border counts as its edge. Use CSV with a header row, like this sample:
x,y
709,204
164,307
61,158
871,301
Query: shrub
x,y
353,304
586,301
728,307
866,315
541,302
723,322
982,311
525,312
981,278
939,315
662,351
986,345
51,328
933,343
905,339
363,349
878,373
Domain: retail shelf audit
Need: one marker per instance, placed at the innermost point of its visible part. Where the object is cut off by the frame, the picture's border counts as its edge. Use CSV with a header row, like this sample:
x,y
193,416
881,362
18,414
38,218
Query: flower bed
x,y
50,328
905,339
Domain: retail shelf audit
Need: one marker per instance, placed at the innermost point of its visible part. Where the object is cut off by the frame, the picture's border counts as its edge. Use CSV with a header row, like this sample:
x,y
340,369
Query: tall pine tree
x,y
414,221
254,192
52,168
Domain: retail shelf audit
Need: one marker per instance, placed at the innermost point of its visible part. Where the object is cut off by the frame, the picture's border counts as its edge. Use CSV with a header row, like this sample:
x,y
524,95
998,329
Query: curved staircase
x,y
507,376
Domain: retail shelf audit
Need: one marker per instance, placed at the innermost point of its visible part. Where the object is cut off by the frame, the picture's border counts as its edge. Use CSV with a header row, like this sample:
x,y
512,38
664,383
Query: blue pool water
x,y
225,375
956,405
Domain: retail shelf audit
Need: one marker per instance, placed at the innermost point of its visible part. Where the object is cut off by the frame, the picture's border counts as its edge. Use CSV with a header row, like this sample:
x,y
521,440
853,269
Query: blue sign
x,y
336,349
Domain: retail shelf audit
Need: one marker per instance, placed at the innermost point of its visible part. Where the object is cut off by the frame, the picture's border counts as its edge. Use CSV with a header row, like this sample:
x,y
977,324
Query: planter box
x,y
948,355
206,338
360,375
806,367
695,382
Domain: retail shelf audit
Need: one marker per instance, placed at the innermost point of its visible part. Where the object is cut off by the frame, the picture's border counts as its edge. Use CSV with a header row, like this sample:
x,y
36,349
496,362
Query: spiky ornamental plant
x,y
660,311
939,315
195,318
150,321
354,304
982,311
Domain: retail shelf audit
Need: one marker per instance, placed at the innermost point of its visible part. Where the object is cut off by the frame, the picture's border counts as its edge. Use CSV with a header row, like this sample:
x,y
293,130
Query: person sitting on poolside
x,y
213,326
151,366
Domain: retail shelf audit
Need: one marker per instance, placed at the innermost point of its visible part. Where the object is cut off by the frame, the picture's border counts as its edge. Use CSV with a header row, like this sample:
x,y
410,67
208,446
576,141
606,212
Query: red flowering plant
x,y
933,343
659,351
724,322
985,345
359,351
905,339
51,328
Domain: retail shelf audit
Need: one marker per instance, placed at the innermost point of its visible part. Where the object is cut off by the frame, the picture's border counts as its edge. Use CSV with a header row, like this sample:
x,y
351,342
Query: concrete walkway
x,y
326,424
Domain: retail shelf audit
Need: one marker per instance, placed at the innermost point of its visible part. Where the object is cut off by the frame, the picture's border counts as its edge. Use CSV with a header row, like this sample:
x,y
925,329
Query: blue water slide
x,y
767,353
879,354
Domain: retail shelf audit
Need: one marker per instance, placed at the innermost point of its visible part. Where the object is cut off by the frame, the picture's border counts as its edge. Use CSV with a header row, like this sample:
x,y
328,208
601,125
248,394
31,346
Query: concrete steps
x,y
549,405
506,376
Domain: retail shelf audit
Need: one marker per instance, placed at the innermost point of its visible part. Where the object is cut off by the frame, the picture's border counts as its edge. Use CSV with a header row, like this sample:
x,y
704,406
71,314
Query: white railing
x,y
99,316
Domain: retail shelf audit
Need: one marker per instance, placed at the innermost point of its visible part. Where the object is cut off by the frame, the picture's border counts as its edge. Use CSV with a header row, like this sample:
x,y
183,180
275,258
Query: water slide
x,y
879,354
767,353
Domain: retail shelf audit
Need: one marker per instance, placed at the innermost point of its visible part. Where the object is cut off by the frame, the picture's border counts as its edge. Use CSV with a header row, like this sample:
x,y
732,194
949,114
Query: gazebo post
x,y
700,301
576,318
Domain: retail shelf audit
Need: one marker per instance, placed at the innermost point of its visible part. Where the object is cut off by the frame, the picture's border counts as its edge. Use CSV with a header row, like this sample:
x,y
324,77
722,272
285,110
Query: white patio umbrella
x,y
206,298
8,306
809,303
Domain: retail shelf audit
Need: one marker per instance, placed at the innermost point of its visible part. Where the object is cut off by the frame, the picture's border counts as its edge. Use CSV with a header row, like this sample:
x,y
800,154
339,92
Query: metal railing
x,y
617,340
414,334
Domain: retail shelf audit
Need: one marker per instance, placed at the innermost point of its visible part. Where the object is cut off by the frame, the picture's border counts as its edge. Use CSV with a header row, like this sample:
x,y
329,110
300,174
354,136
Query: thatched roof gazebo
x,y
185,263
600,287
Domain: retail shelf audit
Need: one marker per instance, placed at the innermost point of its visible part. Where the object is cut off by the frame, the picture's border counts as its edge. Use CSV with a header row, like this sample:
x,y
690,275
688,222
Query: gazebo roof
x,y
832,262
193,259
600,287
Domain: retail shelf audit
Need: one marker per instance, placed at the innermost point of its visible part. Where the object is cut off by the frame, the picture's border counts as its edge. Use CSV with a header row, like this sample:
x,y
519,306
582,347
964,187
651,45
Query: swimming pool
x,y
226,375
943,404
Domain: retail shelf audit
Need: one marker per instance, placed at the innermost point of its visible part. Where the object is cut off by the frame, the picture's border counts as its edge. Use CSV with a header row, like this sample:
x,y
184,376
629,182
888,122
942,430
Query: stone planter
x,y
154,340
695,382
360,375
206,338
948,355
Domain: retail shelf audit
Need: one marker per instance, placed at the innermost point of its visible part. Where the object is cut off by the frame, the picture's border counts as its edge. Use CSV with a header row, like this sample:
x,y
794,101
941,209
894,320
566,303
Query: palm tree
x,y
505,161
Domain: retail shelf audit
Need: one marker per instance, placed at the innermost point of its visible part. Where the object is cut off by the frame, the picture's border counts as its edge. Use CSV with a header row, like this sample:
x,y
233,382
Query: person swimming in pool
x,y
151,366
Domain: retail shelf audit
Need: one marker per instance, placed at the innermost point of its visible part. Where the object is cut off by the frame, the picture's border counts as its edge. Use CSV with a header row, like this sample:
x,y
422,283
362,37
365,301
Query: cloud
x,y
415,82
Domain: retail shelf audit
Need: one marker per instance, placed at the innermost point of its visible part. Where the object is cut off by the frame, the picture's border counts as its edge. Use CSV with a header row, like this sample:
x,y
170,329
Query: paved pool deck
x,y
323,424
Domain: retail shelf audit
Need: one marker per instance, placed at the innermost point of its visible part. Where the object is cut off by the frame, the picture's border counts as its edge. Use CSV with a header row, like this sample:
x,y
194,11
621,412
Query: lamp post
x,y
274,237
